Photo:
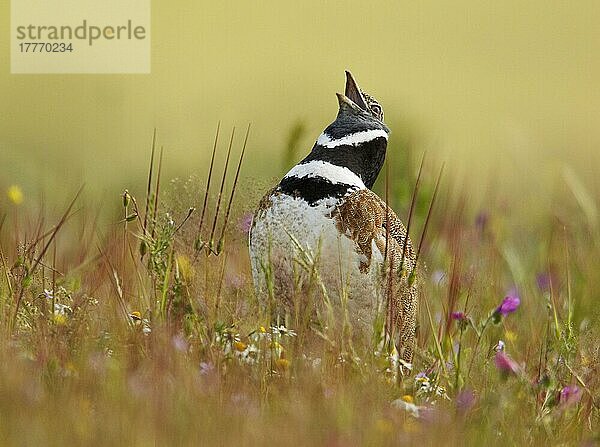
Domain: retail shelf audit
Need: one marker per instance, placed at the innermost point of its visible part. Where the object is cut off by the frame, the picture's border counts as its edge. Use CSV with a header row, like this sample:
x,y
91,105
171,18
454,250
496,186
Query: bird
x,y
322,239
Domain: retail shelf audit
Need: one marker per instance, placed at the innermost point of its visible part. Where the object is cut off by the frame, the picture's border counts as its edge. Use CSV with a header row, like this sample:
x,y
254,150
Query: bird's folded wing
x,y
361,216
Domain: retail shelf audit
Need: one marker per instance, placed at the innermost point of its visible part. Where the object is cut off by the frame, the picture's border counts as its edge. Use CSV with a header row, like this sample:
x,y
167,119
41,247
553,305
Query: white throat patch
x,y
351,140
335,174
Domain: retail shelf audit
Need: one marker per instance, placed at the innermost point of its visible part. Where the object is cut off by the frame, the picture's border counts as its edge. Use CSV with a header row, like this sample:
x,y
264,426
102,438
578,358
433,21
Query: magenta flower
x,y
461,319
458,316
509,304
505,364
569,395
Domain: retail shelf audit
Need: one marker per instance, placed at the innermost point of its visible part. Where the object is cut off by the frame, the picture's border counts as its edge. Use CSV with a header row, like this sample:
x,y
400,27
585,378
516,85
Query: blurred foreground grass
x,y
102,347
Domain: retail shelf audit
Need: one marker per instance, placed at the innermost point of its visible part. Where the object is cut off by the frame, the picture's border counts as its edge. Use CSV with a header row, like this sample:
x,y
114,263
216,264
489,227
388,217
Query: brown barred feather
x,y
361,216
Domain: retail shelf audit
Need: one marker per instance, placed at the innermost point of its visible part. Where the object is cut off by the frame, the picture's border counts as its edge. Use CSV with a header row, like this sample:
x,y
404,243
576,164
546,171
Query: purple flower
x,y
505,364
569,395
465,400
458,316
245,223
461,319
509,304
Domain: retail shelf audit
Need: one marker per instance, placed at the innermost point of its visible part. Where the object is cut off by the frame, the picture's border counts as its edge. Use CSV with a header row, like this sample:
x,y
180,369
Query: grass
x,y
148,331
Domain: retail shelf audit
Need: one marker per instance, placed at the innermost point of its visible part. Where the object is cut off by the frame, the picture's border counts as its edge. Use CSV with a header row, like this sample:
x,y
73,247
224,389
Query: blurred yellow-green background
x,y
508,90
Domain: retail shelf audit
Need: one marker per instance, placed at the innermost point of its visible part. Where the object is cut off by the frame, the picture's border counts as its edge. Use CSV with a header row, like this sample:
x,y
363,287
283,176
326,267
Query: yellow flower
x,y
15,194
262,329
60,319
240,346
408,399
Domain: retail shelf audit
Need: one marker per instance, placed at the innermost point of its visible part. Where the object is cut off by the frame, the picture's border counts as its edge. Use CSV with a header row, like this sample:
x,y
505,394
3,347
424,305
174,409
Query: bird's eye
x,y
376,109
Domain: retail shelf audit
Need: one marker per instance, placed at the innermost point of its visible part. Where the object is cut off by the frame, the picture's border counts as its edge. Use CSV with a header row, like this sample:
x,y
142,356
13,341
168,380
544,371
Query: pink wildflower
x,y
569,395
509,304
505,364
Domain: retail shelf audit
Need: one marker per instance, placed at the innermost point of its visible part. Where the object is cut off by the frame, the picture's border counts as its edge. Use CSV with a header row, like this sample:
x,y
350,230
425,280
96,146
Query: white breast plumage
x,y
293,244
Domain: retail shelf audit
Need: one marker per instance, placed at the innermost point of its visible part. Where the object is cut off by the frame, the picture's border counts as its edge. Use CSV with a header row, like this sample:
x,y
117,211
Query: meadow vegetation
x,y
147,331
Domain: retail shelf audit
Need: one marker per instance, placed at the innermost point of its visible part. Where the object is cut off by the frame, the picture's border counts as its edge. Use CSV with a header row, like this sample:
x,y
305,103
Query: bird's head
x,y
357,139
348,155
362,99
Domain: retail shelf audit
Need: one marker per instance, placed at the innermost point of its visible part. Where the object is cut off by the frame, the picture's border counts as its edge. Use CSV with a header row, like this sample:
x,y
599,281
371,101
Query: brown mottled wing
x,y
361,216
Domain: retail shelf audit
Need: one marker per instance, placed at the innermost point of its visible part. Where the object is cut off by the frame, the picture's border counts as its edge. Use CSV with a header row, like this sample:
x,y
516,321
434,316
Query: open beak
x,y
346,103
353,92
